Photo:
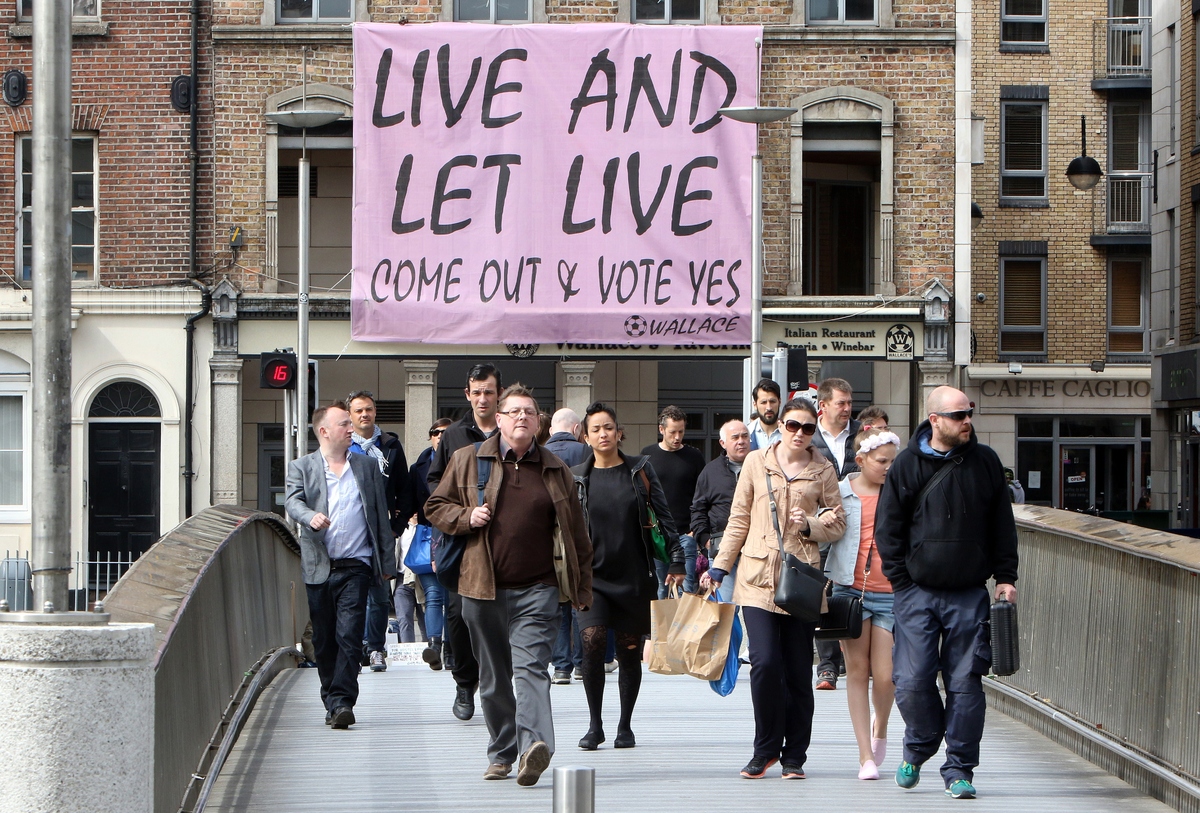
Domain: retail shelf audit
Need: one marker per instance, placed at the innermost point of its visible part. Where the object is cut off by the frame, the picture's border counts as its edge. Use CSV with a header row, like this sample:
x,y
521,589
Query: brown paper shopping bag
x,y
662,616
698,639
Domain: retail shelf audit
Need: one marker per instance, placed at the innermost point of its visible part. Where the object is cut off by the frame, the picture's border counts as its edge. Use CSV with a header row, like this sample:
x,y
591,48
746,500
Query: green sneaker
x,y
908,775
959,789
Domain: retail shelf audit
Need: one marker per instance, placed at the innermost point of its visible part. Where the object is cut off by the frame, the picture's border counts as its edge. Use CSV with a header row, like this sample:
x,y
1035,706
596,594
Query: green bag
x,y
656,533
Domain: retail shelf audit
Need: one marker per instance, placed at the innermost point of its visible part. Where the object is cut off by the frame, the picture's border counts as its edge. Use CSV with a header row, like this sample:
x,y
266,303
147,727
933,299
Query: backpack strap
x,y
937,477
484,468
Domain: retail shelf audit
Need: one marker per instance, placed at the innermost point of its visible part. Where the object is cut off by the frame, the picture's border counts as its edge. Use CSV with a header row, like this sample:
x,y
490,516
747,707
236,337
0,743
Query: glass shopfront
x,y
1083,462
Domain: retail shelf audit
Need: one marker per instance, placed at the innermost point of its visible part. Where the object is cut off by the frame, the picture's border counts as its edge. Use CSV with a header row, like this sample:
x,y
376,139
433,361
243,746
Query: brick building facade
x,y
133,234
874,142
1059,367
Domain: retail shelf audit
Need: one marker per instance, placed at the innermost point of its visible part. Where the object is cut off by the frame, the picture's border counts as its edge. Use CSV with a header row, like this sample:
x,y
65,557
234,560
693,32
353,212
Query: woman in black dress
x,y
613,488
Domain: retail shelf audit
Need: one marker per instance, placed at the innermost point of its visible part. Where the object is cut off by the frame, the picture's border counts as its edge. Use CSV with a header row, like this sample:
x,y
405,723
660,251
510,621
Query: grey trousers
x,y
512,637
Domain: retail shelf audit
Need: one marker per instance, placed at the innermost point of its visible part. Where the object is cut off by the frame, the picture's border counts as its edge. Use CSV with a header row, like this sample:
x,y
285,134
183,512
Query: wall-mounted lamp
x,y
1083,172
976,215
1097,366
1015,367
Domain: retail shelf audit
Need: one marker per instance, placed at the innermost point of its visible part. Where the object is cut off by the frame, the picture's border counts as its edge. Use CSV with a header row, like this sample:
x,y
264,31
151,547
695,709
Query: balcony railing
x,y
1128,195
1122,47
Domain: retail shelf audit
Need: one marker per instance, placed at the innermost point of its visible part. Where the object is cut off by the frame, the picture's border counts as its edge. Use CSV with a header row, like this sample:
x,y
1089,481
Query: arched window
x,y
124,399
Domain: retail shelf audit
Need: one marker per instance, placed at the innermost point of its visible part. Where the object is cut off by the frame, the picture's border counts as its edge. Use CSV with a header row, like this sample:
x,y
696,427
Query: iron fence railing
x,y
1122,47
91,578
1128,195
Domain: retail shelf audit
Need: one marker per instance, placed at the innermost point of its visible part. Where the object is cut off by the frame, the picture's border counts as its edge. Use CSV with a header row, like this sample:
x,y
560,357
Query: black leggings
x,y
629,676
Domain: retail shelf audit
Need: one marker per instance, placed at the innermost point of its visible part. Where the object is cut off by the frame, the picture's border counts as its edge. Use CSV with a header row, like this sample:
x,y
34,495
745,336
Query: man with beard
x,y
764,430
943,527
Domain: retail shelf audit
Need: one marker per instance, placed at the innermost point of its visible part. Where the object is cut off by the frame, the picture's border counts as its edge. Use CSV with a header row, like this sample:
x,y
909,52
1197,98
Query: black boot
x,y
433,654
447,655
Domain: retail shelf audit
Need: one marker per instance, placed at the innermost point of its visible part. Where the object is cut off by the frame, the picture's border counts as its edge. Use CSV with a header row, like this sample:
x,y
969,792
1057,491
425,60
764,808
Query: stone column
x,y
577,385
933,374
226,429
420,404
78,712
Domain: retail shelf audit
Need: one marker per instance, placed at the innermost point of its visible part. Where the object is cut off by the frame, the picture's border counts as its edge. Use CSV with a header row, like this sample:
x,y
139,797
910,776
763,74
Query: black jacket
x,y
399,490
658,501
714,496
961,534
420,488
567,449
848,464
462,432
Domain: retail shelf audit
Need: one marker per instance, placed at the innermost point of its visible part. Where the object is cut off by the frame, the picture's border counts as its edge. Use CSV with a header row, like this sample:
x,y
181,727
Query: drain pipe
x,y
193,269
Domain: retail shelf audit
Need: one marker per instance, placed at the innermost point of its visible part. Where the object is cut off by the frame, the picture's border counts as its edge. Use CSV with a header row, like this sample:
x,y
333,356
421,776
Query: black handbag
x,y
800,589
843,619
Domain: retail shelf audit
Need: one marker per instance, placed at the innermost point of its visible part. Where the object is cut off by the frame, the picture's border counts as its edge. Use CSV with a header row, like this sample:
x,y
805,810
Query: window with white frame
x,y
83,208
80,10
841,12
1022,305
1023,168
1023,22
493,11
314,11
14,451
669,11
1127,305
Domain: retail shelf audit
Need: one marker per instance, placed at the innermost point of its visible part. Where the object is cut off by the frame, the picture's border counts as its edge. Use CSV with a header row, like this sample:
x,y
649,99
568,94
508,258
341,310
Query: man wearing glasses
x,y
509,581
482,391
384,449
943,527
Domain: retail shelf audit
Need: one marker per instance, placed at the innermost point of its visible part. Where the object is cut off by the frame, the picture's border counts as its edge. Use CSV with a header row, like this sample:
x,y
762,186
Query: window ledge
x,y
95,28
1017,203
1023,48
285,32
16,516
1022,358
876,35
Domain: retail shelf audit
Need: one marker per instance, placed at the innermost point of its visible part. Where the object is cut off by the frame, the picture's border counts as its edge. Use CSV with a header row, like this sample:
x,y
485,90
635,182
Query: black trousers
x,y
466,668
780,684
338,609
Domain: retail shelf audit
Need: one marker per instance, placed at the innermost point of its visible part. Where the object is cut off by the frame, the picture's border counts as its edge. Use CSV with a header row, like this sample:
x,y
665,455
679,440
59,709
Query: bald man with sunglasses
x,y
943,527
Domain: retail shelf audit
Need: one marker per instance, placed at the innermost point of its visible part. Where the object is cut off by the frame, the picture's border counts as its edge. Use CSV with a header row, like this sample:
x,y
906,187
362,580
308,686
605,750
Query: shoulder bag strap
x,y
651,517
484,468
938,476
775,519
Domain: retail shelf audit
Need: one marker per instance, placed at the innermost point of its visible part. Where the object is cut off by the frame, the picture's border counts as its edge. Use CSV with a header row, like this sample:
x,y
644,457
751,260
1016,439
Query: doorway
x,y
124,476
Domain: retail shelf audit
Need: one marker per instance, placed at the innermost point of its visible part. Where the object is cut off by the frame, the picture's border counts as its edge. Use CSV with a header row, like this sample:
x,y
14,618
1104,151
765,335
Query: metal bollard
x,y
574,789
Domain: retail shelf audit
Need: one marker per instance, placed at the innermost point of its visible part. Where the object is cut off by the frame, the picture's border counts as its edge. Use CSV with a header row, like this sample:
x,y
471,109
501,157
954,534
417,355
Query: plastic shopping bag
x,y
725,684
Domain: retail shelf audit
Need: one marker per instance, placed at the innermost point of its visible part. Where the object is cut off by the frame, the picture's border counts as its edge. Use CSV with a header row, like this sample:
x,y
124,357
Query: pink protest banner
x,y
552,183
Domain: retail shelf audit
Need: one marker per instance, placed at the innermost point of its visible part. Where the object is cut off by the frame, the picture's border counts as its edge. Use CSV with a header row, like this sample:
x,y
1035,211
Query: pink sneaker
x,y
868,770
878,750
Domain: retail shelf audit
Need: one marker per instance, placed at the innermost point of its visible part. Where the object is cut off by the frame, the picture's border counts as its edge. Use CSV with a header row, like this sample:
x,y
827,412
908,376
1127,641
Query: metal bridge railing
x,y
1110,643
91,578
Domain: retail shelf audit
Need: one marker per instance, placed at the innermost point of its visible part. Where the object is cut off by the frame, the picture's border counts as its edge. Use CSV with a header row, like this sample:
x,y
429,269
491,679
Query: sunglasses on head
x,y
957,415
796,426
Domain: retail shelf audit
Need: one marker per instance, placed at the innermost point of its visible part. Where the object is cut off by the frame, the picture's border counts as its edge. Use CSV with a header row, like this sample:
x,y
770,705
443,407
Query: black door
x,y
123,485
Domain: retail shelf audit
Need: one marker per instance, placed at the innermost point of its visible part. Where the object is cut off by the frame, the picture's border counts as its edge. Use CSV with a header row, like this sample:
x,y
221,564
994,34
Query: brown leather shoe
x,y
497,770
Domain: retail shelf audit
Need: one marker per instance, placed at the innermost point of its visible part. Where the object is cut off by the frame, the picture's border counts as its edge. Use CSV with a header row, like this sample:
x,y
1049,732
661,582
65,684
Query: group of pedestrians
x,y
567,543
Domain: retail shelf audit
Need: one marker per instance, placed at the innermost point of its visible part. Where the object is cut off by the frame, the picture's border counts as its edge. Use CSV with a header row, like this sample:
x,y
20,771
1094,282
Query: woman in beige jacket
x,y
804,486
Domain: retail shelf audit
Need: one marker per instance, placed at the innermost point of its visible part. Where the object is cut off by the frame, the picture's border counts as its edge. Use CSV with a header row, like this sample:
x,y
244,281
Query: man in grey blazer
x,y
340,501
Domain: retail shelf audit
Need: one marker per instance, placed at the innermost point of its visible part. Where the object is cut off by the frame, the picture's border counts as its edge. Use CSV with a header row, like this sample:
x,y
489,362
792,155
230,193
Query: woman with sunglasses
x,y
803,486
435,615
617,490
856,570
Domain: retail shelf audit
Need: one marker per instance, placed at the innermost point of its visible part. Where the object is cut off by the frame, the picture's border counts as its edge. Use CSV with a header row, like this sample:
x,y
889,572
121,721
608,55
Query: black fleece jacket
x,y
961,534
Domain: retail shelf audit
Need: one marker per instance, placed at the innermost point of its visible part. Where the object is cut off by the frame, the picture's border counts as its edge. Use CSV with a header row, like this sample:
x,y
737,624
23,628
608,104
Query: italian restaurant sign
x,y
552,183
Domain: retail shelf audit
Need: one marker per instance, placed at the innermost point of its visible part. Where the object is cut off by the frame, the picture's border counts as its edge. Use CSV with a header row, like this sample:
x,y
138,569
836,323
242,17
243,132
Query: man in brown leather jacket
x,y
528,549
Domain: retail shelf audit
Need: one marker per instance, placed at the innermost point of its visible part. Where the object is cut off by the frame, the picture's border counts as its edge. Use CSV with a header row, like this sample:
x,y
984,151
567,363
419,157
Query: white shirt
x,y
836,444
347,536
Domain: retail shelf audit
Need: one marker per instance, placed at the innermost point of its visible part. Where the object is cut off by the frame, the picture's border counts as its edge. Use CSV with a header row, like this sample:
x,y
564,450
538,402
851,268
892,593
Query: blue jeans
x,y
337,609
567,652
688,543
945,631
379,601
435,604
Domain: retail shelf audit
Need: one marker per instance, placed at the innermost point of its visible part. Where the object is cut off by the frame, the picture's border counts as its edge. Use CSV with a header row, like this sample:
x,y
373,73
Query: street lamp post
x,y
302,119
1084,172
756,116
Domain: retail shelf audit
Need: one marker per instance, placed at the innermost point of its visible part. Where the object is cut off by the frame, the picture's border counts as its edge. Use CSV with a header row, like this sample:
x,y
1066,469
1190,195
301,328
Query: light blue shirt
x,y
760,439
347,536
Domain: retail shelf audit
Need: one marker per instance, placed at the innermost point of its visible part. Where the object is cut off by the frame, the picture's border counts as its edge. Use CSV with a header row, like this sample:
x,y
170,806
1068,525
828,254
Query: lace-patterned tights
x,y
629,674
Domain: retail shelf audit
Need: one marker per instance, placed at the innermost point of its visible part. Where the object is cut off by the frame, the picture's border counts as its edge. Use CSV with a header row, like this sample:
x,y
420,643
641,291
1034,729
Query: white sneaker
x,y
378,661
611,666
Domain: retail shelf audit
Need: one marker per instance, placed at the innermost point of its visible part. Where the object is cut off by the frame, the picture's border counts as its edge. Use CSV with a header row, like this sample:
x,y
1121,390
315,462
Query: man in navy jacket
x,y
938,549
